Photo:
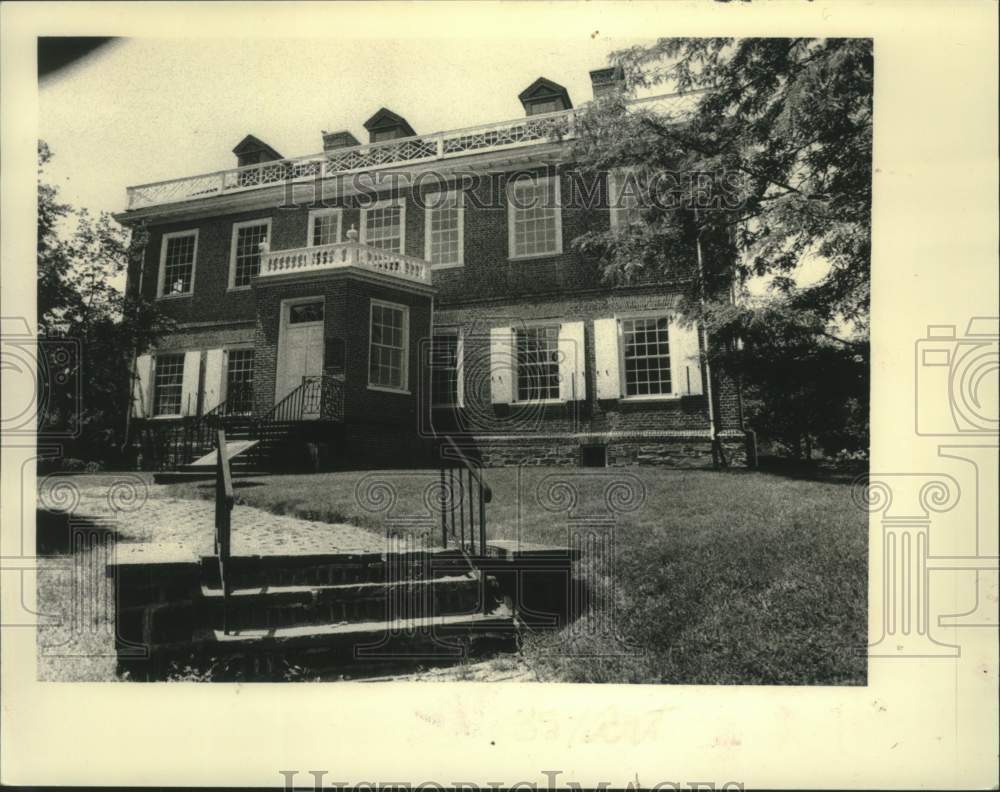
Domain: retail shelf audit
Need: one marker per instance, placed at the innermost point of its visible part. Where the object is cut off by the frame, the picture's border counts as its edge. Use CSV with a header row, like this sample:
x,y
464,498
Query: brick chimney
x,y
607,82
338,140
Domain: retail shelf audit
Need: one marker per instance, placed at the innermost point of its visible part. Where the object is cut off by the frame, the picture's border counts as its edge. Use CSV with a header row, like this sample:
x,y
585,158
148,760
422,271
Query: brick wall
x,y
488,273
346,322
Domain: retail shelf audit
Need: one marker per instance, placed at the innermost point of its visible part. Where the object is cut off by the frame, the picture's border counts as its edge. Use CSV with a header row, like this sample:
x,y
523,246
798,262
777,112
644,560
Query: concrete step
x,y
350,635
246,572
286,606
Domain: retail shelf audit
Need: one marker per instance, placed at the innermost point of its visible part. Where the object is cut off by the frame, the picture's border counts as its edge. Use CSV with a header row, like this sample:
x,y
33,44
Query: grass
x,y
732,577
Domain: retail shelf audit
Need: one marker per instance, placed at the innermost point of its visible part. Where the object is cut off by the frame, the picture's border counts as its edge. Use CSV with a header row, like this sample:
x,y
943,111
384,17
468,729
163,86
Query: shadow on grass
x,y
56,533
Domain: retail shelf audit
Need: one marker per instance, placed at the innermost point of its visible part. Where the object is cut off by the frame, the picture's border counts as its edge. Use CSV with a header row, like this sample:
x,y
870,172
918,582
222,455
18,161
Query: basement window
x,y
593,456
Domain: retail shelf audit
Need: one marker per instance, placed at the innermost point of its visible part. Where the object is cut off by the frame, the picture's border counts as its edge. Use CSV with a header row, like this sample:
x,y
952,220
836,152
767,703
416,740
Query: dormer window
x,y
544,96
386,125
253,151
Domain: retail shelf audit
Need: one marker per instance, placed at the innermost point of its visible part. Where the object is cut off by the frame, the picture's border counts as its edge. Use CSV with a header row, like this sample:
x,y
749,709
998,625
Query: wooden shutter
x,y
572,366
215,372
141,408
685,358
460,369
502,365
189,386
608,373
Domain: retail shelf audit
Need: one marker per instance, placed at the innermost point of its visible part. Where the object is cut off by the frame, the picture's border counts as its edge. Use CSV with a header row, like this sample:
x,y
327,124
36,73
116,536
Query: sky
x,y
145,110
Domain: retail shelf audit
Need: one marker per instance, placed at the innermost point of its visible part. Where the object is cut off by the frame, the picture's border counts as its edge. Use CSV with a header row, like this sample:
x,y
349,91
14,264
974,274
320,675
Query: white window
x,y
534,222
446,368
168,384
178,253
623,198
324,227
388,346
646,356
536,359
443,229
245,255
384,225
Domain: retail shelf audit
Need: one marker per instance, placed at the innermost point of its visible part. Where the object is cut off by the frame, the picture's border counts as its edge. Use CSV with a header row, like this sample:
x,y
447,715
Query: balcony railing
x,y
483,138
356,159
344,254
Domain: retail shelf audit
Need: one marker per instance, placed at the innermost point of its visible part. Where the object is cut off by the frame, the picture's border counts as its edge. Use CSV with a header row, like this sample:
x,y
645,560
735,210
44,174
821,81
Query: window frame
x,y
162,272
232,249
511,219
363,233
405,359
640,397
328,212
225,372
153,387
616,181
557,399
454,332
428,219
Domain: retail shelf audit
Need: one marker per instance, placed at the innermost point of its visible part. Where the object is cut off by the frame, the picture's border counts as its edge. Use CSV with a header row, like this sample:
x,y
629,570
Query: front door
x,y
300,353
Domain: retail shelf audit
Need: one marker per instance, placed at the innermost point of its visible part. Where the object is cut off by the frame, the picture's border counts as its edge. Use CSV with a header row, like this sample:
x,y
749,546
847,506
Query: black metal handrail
x,y
464,493
239,402
224,501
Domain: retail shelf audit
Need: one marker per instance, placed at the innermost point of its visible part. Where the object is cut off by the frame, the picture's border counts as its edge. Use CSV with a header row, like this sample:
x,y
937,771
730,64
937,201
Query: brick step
x,y
245,572
287,606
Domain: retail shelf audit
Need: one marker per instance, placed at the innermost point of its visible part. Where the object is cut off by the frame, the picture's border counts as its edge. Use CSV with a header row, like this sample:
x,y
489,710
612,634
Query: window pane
x,y
444,227
387,348
178,264
248,239
325,229
168,384
537,351
444,369
239,382
535,222
382,227
305,312
647,357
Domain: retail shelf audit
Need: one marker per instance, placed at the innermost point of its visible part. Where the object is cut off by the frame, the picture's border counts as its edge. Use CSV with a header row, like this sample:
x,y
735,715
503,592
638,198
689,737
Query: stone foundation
x,y
673,452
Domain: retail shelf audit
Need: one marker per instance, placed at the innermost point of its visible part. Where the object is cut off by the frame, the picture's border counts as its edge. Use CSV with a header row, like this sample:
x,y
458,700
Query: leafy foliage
x,y
765,167
80,308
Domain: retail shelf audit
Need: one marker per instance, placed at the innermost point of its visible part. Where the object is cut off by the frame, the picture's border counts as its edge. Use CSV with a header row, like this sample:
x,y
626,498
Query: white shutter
x,y
215,362
460,369
189,387
572,366
502,365
608,373
685,358
141,408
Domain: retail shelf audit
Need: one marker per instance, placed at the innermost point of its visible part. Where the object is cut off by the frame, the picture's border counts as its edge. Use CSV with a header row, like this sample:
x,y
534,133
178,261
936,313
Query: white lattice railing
x,y
497,136
404,151
345,254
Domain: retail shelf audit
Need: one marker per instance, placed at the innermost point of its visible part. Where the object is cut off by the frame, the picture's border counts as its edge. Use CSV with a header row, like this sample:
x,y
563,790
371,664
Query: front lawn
x,y
717,577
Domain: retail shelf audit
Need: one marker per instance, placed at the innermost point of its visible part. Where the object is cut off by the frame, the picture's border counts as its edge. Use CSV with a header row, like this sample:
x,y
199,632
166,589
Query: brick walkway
x,y
141,513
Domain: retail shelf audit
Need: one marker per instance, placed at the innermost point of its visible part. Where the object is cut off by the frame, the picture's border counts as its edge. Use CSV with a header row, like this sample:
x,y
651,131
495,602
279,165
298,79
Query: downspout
x,y
133,373
717,454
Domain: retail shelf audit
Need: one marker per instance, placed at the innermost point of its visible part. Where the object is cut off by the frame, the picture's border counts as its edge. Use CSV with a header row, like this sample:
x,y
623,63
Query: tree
x,y
763,165
89,329
775,155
